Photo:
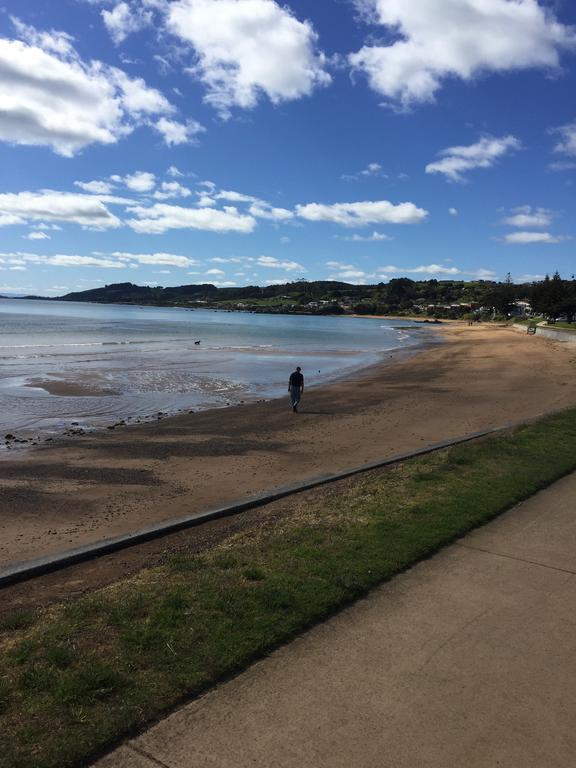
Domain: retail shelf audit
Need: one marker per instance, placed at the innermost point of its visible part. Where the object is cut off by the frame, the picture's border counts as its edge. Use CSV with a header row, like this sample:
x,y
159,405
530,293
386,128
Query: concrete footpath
x,y
468,659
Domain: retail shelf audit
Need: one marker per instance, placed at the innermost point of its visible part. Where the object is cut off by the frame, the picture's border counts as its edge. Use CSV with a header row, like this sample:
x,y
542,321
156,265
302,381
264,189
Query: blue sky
x,y
166,142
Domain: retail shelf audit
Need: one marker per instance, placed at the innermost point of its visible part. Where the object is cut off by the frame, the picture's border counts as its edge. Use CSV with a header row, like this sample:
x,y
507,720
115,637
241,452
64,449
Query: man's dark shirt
x,y
296,379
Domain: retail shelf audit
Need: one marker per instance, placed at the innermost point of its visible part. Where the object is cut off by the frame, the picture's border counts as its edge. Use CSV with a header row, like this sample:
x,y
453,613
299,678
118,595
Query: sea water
x,y
64,363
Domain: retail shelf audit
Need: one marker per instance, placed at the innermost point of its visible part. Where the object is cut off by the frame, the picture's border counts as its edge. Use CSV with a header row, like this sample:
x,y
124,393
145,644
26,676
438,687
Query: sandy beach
x,y
59,496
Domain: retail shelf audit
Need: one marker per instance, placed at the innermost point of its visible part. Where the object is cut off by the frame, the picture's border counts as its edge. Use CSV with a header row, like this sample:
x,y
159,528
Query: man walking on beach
x,y
296,388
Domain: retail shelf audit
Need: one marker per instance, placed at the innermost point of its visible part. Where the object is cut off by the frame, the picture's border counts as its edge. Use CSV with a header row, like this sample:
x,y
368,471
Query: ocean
x,y
86,366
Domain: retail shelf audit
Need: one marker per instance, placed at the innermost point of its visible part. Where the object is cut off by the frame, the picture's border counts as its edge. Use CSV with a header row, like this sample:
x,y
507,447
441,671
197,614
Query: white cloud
x,y
115,260
262,210
273,263
86,210
176,133
171,189
453,211
362,214
51,97
428,269
437,39
174,172
339,265
36,236
164,259
245,48
162,217
458,160
123,20
351,274
205,201
258,208
562,165
215,272
375,237
525,216
567,144
235,197
44,225
140,181
372,169
94,187
64,260
527,238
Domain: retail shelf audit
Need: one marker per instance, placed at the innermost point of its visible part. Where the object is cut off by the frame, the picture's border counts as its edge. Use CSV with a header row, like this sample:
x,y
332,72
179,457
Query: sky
x,y
251,142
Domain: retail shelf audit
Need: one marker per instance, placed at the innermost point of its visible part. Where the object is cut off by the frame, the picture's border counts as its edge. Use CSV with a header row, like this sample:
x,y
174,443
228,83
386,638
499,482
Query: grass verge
x,y
77,677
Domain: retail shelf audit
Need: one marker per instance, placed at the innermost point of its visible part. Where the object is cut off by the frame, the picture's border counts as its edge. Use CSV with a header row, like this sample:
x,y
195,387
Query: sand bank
x,y
97,486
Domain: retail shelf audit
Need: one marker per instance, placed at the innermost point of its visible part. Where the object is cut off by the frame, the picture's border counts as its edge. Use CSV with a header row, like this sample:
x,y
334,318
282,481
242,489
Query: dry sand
x,y
56,497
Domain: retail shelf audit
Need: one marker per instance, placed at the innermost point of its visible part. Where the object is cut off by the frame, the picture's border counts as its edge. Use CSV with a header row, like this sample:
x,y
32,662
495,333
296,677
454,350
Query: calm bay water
x,y
93,364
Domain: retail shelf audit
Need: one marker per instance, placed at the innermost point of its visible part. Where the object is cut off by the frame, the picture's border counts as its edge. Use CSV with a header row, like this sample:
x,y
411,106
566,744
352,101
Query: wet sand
x,y
95,486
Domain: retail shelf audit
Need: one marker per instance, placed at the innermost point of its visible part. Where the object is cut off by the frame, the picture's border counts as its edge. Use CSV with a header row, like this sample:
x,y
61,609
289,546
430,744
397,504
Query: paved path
x,y
468,659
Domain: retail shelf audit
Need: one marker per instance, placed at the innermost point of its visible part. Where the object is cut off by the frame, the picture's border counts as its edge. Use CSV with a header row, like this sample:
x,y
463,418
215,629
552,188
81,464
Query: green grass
x,y
77,677
562,326
528,320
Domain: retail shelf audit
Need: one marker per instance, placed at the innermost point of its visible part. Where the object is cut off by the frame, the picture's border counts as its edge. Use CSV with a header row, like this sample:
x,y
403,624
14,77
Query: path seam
x,y
147,755
518,559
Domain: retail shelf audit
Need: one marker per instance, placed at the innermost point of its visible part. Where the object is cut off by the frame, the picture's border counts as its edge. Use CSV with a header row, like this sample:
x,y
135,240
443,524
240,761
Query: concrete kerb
x,y
28,569
564,337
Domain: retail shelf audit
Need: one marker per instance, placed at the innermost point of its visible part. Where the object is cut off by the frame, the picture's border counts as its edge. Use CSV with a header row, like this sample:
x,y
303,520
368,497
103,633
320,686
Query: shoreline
x,y
22,439
74,491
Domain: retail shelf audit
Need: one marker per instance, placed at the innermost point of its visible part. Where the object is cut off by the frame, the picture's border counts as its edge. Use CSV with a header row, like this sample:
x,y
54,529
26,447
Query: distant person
x,y
296,388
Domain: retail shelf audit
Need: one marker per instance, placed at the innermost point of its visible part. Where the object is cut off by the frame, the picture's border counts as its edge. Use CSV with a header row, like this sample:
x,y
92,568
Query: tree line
x,y
552,297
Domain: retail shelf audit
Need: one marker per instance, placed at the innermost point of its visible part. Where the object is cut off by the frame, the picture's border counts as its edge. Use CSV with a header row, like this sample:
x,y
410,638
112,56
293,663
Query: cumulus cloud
x,y
161,217
375,237
528,238
339,265
49,96
526,216
453,211
352,274
176,133
171,189
36,236
372,169
123,20
362,214
425,269
164,259
49,206
273,263
262,210
456,161
94,187
140,181
246,48
60,260
567,143
114,260
432,40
